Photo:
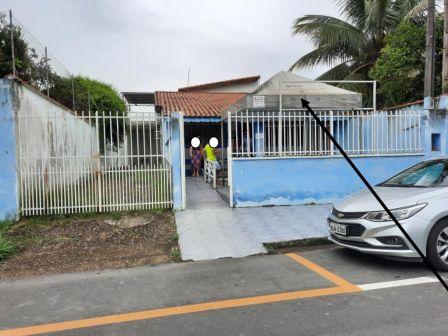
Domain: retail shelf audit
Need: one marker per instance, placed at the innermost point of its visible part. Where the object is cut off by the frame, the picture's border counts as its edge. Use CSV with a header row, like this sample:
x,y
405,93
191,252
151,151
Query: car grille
x,y
348,215
352,229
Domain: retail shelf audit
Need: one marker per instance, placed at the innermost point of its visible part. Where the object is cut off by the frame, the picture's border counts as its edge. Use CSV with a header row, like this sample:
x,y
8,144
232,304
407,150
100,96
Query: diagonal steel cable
x,y
306,104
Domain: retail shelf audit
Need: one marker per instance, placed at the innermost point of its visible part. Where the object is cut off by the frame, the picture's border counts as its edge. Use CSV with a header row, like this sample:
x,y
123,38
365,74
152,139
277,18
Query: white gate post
x,y
182,160
332,133
280,126
98,166
229,158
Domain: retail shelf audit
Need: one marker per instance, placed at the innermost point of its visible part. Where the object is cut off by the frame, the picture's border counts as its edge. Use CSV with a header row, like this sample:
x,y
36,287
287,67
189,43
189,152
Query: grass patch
x,y
175,253
7,246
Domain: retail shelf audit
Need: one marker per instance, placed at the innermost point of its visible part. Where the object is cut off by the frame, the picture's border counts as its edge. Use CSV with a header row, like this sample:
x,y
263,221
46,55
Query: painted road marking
x,y
342,287
398,283
338,281
179,310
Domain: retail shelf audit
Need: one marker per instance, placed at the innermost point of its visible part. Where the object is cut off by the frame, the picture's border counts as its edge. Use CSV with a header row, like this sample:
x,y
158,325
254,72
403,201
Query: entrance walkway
x,y
209,229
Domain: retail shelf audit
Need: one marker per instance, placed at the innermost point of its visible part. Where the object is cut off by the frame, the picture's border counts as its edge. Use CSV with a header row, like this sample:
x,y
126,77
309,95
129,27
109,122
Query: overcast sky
x,y
145,45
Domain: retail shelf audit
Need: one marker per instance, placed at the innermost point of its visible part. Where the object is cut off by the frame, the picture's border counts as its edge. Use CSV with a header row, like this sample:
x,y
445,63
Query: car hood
x,y
394,197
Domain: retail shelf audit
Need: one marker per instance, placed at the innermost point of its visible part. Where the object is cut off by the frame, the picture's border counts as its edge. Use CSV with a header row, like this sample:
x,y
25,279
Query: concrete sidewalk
x,y
209,229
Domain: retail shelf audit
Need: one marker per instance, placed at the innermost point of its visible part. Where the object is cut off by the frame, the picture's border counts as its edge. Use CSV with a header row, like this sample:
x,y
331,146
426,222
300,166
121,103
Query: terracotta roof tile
x,y
196,104
417,102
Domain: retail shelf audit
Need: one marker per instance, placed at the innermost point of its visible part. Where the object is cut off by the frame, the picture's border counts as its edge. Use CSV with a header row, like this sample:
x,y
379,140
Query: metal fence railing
x,y
294,133
93,162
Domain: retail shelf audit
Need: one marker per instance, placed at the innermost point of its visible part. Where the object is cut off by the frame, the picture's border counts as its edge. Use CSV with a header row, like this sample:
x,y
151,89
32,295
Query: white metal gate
x,y
93,162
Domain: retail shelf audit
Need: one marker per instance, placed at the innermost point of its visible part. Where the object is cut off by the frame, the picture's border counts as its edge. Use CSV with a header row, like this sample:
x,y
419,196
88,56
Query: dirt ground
x,y
91,242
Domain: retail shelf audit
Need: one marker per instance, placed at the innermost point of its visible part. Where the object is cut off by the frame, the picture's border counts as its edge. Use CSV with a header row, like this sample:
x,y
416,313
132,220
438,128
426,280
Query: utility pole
x,y
46,70
73,93
430,50
445,49
11,28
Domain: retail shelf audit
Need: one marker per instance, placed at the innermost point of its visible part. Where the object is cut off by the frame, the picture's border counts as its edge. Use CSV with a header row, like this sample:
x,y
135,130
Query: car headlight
x,y
400,213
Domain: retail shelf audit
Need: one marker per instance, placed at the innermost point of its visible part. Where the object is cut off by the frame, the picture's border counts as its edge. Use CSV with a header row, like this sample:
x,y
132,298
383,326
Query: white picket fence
x,y
294,133
93,162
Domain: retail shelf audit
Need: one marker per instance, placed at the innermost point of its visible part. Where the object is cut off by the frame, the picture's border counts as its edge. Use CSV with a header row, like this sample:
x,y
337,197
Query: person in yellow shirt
x,y
210,152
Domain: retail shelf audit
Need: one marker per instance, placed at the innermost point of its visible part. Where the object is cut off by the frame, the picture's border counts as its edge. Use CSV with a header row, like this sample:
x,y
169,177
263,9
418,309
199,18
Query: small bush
x,y
7,247
175,253
5,224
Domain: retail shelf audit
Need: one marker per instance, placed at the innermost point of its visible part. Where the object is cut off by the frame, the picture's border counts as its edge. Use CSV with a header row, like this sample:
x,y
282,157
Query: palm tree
x,y
351,46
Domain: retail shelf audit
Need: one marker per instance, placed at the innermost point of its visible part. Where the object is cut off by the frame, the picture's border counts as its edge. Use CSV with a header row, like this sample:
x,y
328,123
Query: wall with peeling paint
x,y
50,136
37,134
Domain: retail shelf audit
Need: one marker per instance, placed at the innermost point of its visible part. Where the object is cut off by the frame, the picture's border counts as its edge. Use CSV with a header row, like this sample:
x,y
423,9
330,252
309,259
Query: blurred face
x,y
195,142
213,142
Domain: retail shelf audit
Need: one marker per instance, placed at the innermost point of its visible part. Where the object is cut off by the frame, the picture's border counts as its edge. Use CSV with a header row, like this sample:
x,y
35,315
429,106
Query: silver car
x,y
418,197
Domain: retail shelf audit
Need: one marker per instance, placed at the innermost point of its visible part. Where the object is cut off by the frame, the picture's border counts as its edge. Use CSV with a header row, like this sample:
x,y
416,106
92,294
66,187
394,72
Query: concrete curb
x,y
274,248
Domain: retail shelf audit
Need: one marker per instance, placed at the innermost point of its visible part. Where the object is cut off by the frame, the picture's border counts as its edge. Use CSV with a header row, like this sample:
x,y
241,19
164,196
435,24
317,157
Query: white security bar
x,y
294,133
93,162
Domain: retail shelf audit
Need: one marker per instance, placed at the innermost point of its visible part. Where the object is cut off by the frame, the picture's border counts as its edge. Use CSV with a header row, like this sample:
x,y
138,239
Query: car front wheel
x,y
437,247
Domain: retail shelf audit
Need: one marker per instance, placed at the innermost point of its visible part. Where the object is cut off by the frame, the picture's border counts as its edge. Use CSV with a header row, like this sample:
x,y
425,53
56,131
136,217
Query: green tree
x,y
400,67
26,59
351,45
90,94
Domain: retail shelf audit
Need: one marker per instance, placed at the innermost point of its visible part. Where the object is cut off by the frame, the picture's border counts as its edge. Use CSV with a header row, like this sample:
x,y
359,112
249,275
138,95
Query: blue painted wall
x,y
258,182
9,195
437,122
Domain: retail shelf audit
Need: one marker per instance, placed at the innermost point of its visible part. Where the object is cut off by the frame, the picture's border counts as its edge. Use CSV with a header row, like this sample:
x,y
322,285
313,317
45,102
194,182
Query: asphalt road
x,y
318,291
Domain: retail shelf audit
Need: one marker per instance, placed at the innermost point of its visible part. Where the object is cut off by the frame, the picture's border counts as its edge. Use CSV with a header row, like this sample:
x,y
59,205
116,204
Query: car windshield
x,y
425,174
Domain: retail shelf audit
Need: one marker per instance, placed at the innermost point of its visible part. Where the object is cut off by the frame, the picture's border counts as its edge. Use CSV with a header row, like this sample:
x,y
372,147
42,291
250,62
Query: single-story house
x,y
201,110
203,104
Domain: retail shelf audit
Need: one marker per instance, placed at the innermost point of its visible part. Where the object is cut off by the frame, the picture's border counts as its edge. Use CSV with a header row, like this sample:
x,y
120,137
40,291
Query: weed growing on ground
x,y
7,246
175,253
